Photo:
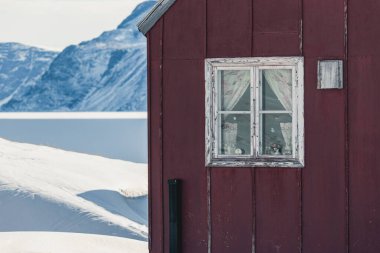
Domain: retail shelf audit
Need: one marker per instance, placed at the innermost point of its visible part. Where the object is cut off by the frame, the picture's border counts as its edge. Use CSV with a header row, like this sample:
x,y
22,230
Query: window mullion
x,y
257,109
216,115
295,112
252,112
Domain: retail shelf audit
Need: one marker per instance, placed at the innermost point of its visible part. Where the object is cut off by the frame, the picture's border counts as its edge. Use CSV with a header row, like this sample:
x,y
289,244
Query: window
x,y
254,112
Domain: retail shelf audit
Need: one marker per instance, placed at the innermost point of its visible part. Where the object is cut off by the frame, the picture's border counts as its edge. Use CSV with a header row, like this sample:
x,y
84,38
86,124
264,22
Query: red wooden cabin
x,y
274,154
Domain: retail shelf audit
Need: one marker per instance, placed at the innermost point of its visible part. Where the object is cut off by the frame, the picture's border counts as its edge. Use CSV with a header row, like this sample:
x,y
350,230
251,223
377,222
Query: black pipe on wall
x,y
175,202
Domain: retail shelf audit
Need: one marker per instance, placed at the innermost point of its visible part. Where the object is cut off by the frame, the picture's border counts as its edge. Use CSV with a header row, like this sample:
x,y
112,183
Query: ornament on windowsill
x,y
276,149
239,151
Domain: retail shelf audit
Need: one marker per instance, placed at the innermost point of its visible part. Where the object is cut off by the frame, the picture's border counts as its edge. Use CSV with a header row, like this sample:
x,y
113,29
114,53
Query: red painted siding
x,y
278,211
223,17
183,154
231,194
183,96
231,191
155,138
324,181
324,185
331,205
323,28
364,122
364,160
185,36
278,192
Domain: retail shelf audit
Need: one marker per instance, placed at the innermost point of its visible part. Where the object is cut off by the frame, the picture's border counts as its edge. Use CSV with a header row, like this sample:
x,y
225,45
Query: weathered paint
x,y
330,74
333,204
255,160
154,15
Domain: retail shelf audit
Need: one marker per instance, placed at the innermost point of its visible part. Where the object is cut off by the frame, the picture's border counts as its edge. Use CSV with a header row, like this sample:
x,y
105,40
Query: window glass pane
x,y
235,134
276,89
234,90
276,134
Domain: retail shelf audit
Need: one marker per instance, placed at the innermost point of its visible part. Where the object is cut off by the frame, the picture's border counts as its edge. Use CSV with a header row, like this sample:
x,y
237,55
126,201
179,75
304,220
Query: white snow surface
x,y
43,242
52,190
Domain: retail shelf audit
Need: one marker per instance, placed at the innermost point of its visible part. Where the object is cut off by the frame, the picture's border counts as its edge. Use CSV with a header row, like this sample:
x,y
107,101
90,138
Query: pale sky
x,y
55,24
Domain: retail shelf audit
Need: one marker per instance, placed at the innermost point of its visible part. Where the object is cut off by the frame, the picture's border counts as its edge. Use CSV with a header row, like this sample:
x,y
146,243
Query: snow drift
x,y
52,190
41,242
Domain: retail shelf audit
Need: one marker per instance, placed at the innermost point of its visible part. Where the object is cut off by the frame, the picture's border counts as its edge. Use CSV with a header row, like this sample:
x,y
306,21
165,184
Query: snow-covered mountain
x,y
51,190
20,66
107,73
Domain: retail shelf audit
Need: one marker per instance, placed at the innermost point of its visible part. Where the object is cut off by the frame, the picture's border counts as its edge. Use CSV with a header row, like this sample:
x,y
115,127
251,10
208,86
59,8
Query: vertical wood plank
x,y
155,138
229,34
229,28
364,140
277,27
277,191
156,40
231,210
364,122
324,185
276,44
278,212
363,30
183,114
324,177
277,16
323,28
184,151
185,34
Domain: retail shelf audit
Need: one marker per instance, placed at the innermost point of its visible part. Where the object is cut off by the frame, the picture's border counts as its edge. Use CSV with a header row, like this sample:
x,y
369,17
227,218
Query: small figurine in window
x,y
239,151
276,149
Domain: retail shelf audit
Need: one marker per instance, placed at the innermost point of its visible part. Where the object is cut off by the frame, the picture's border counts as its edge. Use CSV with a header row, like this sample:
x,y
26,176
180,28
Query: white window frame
x,y
254,64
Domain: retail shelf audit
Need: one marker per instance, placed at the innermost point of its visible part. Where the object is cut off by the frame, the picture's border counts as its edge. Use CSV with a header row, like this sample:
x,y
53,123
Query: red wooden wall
x,y
331,205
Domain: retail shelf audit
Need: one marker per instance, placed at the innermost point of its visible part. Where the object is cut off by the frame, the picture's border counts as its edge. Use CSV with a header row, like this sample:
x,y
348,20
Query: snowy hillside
x,y
20,66
51,190
107,73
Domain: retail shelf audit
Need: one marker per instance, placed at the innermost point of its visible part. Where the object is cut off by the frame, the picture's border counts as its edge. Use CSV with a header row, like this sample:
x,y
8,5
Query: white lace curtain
x,y
280,81
235,83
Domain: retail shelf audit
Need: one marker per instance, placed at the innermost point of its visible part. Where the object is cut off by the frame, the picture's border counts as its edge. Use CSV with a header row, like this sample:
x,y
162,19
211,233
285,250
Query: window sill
x,y
250,162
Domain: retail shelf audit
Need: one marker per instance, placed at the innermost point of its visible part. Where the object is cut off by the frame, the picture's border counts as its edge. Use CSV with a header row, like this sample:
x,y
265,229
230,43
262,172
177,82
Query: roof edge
x,y
154,15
